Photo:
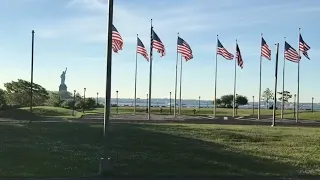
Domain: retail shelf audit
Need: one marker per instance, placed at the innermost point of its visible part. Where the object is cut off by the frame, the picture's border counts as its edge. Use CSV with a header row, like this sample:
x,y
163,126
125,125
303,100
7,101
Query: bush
x,y
67,104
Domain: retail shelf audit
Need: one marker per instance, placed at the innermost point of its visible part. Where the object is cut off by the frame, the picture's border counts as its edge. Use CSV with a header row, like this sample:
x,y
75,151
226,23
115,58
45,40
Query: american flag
x,y
157,44
117,42
239,57
265,50
223,51
290,53
141,49
184,49
303,47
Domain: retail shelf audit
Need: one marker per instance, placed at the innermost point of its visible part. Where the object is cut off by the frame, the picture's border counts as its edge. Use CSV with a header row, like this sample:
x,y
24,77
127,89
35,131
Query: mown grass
x,y
307,115
41,112
73,150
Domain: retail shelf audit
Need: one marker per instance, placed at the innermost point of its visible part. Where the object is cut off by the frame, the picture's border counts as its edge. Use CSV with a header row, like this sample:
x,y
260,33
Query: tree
x,y
267,95
286,96
90,103
3,100
54,99
218,103
69,103
227,100
18,93
79,104
241,100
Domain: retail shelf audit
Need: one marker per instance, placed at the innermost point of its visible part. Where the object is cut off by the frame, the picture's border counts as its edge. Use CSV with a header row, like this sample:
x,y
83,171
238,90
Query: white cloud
x,y
130,19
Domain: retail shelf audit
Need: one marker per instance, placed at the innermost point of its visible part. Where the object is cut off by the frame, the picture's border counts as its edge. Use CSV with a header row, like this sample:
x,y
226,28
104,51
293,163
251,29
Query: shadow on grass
x,y
149,153
74,150
19,114
49,150
38,113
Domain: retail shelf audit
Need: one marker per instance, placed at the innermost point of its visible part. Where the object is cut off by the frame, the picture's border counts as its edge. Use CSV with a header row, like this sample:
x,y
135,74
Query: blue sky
x,y
72,33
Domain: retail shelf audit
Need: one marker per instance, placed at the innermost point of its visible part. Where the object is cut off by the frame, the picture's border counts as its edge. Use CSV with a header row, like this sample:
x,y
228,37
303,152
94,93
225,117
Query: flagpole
x,y
105,166
150,74
284,63
31,82
180,84
298,91
176,82
235,78
135,81
259,103
215,84
275,87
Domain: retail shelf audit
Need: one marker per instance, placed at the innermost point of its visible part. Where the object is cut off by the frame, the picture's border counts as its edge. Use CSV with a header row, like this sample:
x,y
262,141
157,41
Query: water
x,y
192,103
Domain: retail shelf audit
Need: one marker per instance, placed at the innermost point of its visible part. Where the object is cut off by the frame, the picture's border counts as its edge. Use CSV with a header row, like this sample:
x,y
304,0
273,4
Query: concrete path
x,y
173,178
142,118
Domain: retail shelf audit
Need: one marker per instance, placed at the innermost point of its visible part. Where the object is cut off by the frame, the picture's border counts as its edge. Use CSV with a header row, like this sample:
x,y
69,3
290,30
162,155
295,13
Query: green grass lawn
x,y
189,111
45,111
307,115
73,150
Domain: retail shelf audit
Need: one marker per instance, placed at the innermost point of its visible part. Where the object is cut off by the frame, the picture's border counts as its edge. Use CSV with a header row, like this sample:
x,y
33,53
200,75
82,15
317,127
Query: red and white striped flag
x,y
290,53
141,49
157,44
265,50
117,42
304,47
239,57
184,49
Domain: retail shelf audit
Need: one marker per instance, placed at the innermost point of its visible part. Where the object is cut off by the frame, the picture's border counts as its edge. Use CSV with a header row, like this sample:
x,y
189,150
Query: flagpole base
x,y
105,168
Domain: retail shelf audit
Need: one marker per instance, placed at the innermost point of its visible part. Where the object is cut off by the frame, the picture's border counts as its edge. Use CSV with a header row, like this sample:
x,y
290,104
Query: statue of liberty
x,y
63,77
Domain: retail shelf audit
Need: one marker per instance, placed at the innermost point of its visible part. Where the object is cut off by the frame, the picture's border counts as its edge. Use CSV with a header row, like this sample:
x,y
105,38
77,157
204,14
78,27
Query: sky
x,y
72,34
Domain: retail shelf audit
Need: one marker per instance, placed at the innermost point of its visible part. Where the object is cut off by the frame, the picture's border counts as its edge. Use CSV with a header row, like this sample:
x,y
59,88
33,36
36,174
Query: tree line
x,y
18,94
226,101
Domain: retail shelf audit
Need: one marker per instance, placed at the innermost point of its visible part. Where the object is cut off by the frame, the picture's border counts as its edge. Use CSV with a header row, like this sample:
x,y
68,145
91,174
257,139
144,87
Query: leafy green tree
x,y
286,96
218,103
267,95
69,103
227,100
3,100
241,100
90,103
54,99
18,93
79,104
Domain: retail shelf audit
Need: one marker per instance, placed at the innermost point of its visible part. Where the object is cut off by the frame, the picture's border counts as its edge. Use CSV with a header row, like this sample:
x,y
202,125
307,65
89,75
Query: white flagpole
x,y
259,103
298,92
135,82
235,82
283,70
150,75
180,85
175,85
215,83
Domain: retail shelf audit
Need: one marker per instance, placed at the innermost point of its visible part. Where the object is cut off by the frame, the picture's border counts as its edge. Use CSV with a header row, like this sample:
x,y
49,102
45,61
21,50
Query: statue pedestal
x,y
63,92
63,87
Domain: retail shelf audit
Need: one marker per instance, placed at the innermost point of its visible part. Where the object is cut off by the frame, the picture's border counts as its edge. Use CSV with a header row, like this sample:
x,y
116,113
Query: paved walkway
x,y
129,118
142,118
173,178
